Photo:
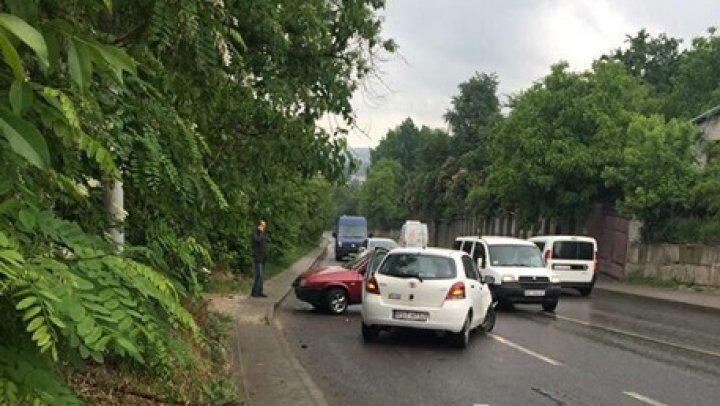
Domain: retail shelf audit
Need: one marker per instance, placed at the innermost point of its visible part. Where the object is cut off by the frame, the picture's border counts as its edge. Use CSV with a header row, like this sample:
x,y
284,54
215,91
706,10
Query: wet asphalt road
x,y
608,349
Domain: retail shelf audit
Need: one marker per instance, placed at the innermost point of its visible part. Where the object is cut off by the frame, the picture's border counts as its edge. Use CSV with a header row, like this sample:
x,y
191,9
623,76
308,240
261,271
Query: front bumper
x,y
346,250
313,296
514,292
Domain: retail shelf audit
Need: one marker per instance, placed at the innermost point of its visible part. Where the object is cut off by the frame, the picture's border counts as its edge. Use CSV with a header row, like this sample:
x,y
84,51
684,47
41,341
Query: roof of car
x,y
428,251
380,239
495,240
563,237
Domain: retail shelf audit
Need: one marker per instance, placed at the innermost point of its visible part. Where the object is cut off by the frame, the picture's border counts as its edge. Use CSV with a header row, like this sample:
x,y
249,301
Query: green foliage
x,y
653,59
206,112
658,170
380,195
695,86
550,152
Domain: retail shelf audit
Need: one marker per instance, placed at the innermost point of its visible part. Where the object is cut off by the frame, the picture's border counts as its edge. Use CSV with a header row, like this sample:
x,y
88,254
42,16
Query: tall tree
x,y
473,113
380,196
653,59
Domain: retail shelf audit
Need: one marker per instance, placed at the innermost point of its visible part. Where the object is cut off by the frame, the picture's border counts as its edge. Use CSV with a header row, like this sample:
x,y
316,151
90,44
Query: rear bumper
x,y
346,250
577,285
513,292
450,317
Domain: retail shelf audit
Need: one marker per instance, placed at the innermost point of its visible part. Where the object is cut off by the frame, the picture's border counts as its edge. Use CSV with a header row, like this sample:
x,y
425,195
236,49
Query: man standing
x,y
260,254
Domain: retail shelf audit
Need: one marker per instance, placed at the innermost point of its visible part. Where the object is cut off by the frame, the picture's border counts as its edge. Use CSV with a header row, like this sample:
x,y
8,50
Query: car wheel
x,y
489,323
550,306
585,291
370,333
461,339
336,300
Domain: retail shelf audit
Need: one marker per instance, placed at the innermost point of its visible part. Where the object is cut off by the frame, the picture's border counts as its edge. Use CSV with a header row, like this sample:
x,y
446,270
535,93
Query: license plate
x,y
412,316
534,293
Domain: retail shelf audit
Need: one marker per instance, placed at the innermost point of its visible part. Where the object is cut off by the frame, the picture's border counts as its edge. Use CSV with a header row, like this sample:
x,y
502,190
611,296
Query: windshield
x,y
389,244
516,255
353,263
352,231
418,266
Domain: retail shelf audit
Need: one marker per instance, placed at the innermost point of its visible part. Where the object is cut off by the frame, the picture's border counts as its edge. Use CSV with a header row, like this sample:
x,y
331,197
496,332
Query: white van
x,y
513,269
413,234
573,258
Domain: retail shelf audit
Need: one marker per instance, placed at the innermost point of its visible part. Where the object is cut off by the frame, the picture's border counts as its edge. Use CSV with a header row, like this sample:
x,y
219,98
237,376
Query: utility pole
x,y
116,212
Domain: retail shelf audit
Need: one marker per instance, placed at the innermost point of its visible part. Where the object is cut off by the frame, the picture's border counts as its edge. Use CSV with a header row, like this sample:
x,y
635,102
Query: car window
x,y
457,245
516,255
414,265
574,250
352,230
470,271
540,244
467,247
479,253
353,263
375,261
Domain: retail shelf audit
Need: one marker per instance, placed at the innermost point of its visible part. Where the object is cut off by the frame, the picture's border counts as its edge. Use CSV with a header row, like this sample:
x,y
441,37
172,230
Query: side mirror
x,y
334,234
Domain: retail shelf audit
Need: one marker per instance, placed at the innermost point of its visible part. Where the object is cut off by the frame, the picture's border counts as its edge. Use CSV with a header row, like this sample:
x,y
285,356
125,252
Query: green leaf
x,y
115,57
112,304
27,219
108,4
27,302
39,333
77,312
57,322
27,34
25,139
31,312
35,324
11,57
129,347
80,64
21,97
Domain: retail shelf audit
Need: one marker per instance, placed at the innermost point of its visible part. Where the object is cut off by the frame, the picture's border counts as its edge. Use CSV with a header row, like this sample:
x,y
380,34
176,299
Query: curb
x,y
696,306
270,311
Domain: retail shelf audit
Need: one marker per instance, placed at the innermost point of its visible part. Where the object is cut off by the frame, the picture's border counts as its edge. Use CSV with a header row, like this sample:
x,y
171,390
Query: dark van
x,y
350,232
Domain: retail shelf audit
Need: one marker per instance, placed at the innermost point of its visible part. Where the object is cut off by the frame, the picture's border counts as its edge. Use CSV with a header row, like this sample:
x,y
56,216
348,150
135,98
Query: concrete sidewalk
x,y
706,300
266,367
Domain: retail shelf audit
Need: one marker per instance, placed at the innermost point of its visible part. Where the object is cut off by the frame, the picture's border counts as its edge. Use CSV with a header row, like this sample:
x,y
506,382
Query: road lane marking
x,y
635,335
644,399
525,350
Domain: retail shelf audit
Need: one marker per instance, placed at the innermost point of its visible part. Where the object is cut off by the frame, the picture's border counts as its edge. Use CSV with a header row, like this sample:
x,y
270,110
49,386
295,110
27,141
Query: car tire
x,y
461,339
370,333
336,301
585,292
550,306
489,323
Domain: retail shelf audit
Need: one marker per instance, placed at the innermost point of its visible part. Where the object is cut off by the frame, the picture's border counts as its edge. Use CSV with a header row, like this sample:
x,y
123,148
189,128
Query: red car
x,y
334,288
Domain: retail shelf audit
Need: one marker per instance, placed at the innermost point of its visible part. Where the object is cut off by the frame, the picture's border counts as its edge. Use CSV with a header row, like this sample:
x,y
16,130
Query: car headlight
x,y
508,278
554,279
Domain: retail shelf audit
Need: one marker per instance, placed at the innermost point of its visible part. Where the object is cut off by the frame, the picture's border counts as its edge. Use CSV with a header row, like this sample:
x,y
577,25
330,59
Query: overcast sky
x,y
443,42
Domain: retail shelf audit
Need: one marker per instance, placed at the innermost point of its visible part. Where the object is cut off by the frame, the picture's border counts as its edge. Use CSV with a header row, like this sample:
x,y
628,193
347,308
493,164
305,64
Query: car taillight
x,y
372,286
595,263
457,291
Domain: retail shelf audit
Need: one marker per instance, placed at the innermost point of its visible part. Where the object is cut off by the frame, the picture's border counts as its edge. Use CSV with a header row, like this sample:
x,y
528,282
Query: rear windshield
x,y
516,255
353,263
576,250
418,265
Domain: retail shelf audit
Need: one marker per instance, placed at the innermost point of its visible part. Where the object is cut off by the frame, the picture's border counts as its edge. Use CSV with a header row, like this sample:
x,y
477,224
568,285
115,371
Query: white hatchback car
x,y
433,289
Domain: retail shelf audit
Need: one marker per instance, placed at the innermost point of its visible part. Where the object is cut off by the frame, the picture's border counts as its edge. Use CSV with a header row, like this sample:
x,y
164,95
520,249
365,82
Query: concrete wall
x,y
690,264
